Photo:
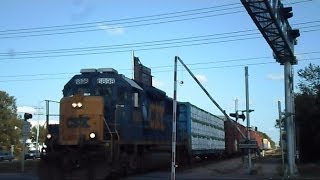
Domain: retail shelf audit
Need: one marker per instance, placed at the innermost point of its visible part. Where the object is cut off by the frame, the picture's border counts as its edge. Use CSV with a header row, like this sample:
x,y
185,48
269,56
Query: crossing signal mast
x,y
271,18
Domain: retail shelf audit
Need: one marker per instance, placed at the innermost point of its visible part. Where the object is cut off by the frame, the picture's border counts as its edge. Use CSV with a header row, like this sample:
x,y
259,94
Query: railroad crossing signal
x,y
26,125
237,116
25,133
27,116
26,128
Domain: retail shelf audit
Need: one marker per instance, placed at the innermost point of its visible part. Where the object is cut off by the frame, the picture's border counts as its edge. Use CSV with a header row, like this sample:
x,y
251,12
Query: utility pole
x,y
47,113
248,116
174,123
38,126
292,169
236,101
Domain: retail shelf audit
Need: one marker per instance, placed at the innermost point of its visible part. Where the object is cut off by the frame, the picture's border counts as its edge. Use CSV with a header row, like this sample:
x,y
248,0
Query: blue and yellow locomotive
x,y
108,123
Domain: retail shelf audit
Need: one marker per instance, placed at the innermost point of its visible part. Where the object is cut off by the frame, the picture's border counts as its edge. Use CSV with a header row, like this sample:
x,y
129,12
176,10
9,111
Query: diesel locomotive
x,y
110,124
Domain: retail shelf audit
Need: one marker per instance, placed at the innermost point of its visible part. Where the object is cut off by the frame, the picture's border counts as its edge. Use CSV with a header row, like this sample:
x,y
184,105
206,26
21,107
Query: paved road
x,y
17,176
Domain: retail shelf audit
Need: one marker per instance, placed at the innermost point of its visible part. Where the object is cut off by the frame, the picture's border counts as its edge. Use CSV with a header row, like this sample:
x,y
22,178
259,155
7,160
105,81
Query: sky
x,y
44,43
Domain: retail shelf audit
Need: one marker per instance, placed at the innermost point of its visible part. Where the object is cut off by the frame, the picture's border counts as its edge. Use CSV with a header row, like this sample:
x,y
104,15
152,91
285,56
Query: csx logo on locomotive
x,y
75,122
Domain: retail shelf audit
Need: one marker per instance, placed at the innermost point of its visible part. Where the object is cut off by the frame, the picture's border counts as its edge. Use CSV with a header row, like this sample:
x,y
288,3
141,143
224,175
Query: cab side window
x,y
122,95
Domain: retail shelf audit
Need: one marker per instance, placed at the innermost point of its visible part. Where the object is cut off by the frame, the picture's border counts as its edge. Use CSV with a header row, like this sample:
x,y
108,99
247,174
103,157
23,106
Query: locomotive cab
x,y
93,105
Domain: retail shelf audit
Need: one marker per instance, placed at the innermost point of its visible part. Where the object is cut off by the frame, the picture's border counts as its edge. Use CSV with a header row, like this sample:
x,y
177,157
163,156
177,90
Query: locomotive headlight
x,y
74,105
92,135
79,104
49,136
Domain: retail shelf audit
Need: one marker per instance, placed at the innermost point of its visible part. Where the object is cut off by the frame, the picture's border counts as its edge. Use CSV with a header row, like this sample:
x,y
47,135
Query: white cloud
x,y
26,109
157,83
34,121
111,30
201,78
275,76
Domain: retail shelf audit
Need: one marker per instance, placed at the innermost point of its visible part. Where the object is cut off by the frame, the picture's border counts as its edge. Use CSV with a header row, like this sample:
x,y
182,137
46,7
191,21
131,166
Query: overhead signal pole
x,y
271,18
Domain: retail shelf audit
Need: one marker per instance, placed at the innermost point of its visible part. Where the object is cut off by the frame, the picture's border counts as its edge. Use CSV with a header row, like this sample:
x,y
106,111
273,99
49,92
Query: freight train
x,y
109,124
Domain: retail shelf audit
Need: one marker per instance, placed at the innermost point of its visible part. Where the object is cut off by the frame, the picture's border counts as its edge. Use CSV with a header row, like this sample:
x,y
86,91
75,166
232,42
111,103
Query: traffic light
x,y
27,116
286,12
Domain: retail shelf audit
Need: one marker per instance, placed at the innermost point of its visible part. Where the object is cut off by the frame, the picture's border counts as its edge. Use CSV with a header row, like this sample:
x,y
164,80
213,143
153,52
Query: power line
x,y
124,19
201,68
132,45
145,47
167,66
117,25
139,48
132,19
299,2
16,32
238,65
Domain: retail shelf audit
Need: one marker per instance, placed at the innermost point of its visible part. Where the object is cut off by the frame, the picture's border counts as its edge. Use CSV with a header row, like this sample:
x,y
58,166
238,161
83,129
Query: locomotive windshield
x,y
85,91
115,88
89,86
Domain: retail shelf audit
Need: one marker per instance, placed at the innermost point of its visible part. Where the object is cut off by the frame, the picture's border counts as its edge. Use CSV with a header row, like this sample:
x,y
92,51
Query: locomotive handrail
x,y
111,134
111,152
108,127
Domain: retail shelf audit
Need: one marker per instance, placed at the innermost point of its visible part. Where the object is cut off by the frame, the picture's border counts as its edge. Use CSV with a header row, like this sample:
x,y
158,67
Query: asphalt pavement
x,y
18,176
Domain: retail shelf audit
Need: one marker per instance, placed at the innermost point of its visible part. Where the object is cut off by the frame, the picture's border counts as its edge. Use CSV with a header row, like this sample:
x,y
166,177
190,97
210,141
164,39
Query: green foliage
x,y
10,125
309,82
307,113
42,134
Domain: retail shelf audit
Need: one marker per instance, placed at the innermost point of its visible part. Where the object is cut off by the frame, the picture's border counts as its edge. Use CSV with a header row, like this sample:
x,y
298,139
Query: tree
x,y
310,80
10,125
307,113
42,134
